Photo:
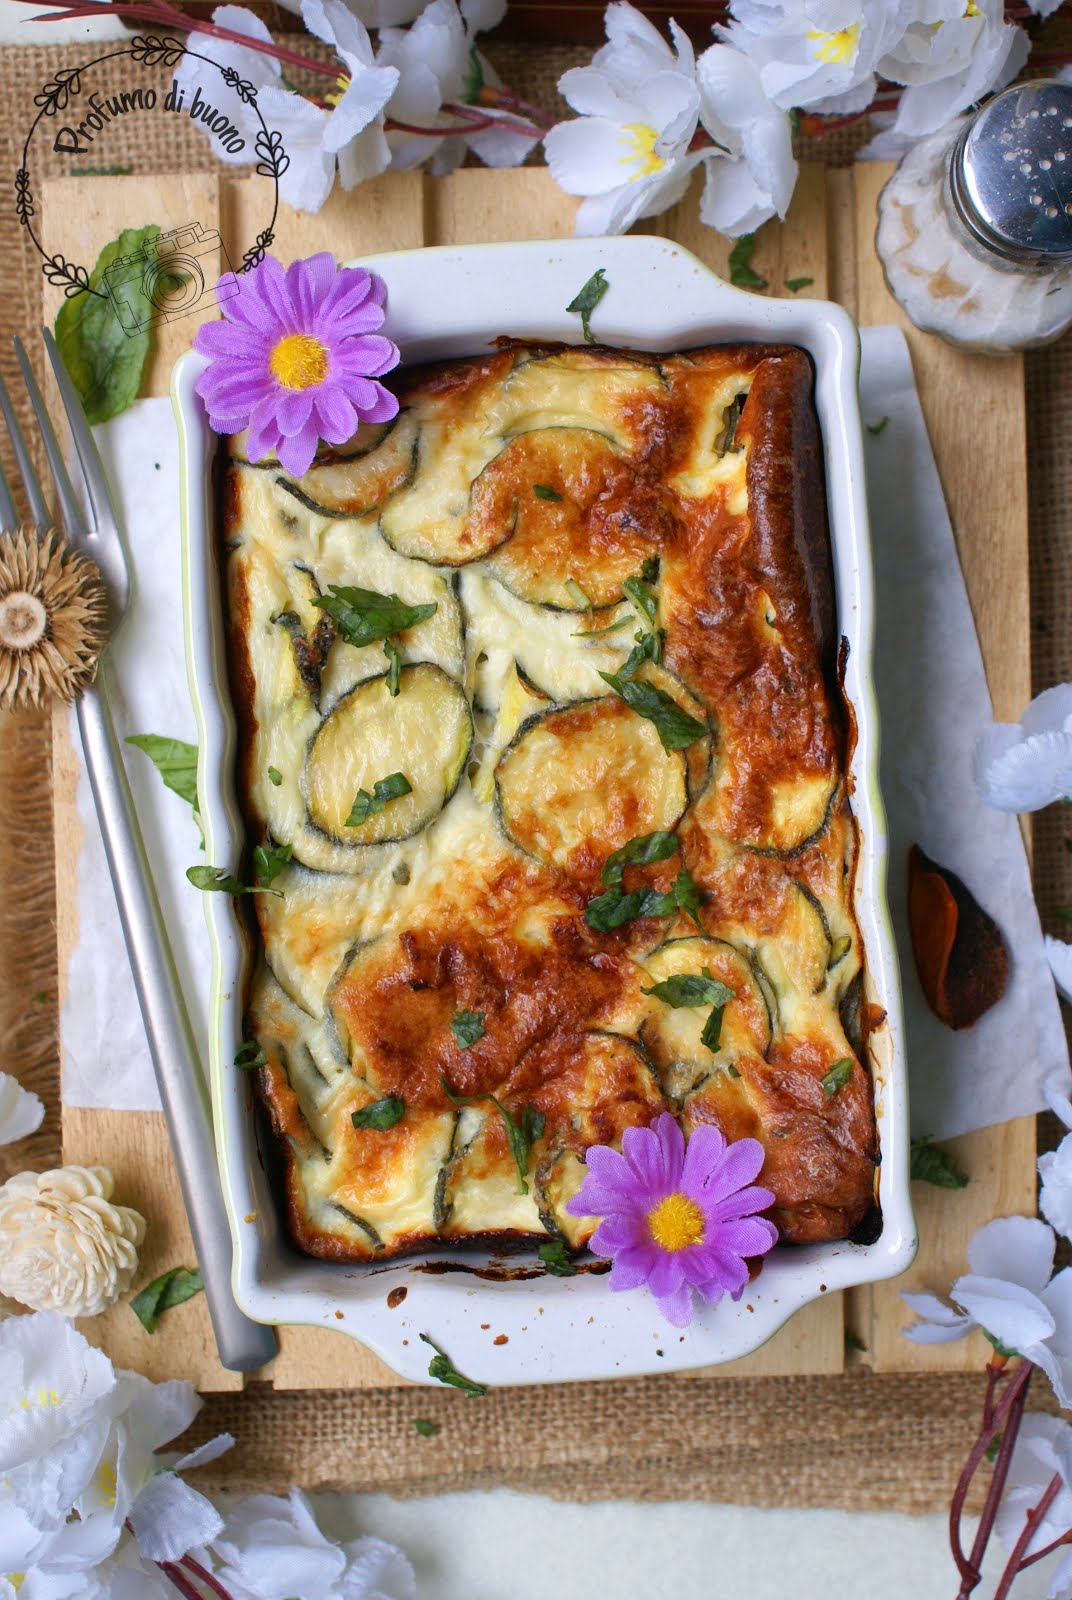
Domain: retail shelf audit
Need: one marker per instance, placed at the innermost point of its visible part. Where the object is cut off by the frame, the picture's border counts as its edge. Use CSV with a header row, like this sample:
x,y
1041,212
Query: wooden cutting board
x,y
975,412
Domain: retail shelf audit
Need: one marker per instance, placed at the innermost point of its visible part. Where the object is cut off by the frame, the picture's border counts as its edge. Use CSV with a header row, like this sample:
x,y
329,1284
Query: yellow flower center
x,y
16,1579
299,361
639,146
972,10
835,47
676,1222
106,1478
342,83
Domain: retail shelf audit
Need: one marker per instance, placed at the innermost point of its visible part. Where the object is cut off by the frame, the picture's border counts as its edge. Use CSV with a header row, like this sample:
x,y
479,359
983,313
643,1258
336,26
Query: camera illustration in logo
x,y
164,280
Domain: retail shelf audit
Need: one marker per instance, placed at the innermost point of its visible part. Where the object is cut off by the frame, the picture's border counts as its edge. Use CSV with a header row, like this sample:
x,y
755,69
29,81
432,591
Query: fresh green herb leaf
x,y
838,951
221,881
467,1027
931,1164
732,1070
598,633
647,648
853,1341
676,729
742,273
642,597
520,1135
689,989
544,491
176,762
649,572
877,427
556,1259
394,666
250,1055
726,440
426,1429
615,907
384,790
171,1289
577,594
711,1037
104,356
275,776
381,1114
442,1368
687,897
794,285
639,852
837,1077
587,298
268,862
364,616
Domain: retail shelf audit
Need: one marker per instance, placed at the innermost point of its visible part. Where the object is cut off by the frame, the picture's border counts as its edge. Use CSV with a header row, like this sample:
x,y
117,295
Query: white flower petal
x,y
1059,1104
366,97
593,94
588,156
1049,711
731,201
376,1570
1032,774
168,1518
992,745
1018,1249
364,157
1014,1316
935,1309
211,1450
21,1112
1055,1196
926,107
483,15
307,181
501,147
1059,956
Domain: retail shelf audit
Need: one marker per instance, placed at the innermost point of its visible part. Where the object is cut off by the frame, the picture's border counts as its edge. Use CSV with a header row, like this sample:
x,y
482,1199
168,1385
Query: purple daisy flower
x,y
675,1218
296,358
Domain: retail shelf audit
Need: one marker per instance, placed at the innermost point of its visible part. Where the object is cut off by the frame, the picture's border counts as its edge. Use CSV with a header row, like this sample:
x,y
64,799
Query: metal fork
x,y
243,1345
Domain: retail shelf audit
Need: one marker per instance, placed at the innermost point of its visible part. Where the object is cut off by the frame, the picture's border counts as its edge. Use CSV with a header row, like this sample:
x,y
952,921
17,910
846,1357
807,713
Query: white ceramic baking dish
x,y
454,302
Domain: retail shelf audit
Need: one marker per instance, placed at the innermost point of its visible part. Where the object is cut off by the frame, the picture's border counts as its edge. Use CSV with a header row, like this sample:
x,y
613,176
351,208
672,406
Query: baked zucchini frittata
x,y
571,599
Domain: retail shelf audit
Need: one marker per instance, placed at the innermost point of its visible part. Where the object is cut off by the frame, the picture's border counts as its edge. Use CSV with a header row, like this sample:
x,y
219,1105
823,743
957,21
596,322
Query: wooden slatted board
x,y
975,411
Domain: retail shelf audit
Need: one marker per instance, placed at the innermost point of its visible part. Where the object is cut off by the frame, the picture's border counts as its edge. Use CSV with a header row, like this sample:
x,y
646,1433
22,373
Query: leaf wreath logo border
x,y
148,50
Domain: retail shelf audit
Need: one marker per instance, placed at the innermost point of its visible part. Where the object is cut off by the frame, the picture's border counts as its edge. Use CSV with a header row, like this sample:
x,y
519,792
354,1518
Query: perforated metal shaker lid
x,y
1011,174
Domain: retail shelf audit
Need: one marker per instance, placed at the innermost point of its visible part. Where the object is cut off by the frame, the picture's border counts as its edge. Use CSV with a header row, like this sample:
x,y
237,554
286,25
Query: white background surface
x,y
502,1546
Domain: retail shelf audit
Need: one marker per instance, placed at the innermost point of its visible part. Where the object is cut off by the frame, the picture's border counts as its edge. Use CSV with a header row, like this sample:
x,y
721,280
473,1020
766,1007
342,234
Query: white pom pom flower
x,y
1025,765
64,1246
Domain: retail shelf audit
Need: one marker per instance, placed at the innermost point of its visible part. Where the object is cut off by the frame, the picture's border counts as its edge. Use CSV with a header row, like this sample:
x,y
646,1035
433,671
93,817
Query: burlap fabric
x,y
858,1441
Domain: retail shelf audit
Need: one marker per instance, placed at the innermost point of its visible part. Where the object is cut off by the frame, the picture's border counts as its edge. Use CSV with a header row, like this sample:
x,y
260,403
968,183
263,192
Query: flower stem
x,y
1015,1563
209,1579
175,1575
1003,1418
490,96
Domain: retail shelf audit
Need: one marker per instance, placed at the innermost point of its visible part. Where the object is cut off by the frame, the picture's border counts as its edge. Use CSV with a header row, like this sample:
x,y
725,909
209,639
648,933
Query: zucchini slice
x,y
425,732
356,485
672,1035
431,520
799,814
519,699
583,520
580,781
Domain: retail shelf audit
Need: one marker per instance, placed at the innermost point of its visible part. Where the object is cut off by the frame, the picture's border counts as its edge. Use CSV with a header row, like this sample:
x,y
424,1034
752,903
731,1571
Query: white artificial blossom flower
x,y
64,1244
819,55
202,84
1025,765
752,174
1012,1295
628,152
1043,1451
272,1549
21,1112
438,63
950,56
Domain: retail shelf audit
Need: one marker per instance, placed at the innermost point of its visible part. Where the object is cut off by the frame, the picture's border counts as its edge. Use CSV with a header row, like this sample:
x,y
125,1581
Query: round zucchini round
x,y
431,519
583,520
672,1033
356,484
425,732
580,781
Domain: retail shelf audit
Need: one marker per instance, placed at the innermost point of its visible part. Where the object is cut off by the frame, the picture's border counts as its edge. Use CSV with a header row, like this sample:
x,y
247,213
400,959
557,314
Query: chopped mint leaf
x,y
381,1114
467,1027
172,1288
742,273
837,1077
586,300
931,1164
442,1368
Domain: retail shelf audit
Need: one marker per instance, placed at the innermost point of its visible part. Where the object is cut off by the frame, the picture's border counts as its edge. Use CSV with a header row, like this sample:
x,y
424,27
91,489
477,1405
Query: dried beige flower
x,y
53,618
63,1245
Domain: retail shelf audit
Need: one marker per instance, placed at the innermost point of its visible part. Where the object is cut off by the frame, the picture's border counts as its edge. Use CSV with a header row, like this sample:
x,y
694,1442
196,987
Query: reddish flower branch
x,y
1000,1418
1032,1524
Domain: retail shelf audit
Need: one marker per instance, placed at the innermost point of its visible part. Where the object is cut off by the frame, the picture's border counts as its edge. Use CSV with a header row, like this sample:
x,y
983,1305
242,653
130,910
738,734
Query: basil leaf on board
x,y
688,989
381,1114
676,729
544,491
598,633
394,667
639,852
221,881
172,1288
363,616
275,777
174,759
644,600
931,1164
615,907
426,1429
711,1037
103,356
250,1055
268,862
384,790
587,298
742,273
467,1027
556,1259
521,1136
877,427
442,1368
837,1077
794,285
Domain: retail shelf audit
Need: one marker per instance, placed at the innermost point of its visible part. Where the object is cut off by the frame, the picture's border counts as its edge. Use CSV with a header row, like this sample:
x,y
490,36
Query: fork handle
x,y
243,1345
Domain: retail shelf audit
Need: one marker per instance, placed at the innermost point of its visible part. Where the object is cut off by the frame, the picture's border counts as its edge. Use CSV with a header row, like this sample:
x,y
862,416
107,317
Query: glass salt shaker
x,y
975,225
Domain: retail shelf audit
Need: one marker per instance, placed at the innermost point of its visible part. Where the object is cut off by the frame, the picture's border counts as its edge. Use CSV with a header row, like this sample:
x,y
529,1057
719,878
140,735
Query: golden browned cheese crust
x,y
513,498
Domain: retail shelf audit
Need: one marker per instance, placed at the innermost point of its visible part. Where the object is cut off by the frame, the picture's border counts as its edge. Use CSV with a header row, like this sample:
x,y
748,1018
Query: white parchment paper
x,y
933,700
